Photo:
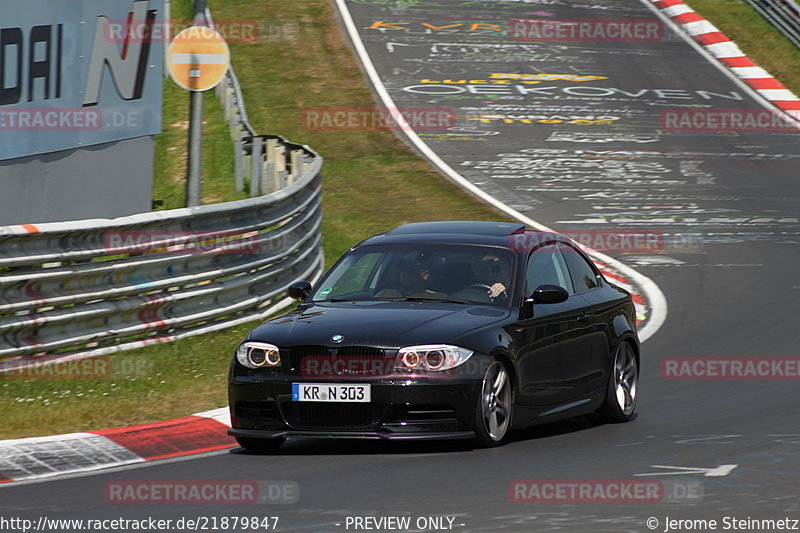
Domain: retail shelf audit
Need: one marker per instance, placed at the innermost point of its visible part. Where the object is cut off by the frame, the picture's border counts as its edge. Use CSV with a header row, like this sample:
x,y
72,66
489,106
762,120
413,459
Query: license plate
x,y
330,392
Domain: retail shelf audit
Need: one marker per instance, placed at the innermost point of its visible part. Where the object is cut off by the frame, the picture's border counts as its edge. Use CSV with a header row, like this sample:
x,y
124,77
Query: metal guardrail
x,y
280,163
783,14
101,286
83,288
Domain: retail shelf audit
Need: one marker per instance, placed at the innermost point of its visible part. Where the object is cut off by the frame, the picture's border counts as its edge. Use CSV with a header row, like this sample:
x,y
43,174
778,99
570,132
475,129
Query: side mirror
x,y
299,290
549,294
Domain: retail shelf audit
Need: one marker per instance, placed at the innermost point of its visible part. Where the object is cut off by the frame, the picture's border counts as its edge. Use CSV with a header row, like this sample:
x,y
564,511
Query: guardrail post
x,y
256,167
263,186
247,158
280,165
238,160
233,110
271,175
222,92
236,128
296,170
306,164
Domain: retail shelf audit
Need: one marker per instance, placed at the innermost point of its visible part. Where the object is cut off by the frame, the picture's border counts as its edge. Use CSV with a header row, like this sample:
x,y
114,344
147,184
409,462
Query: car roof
x,y
469,232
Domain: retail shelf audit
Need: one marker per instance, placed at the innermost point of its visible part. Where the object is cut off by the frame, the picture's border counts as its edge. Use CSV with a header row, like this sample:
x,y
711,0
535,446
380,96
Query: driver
x,y
414,279
497,274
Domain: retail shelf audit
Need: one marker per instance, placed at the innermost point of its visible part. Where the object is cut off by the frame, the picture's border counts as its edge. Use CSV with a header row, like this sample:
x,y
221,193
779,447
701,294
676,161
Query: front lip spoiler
x,y
290,433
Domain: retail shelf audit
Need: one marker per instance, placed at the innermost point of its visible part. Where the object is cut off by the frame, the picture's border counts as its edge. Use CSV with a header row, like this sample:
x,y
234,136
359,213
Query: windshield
x,y
442,272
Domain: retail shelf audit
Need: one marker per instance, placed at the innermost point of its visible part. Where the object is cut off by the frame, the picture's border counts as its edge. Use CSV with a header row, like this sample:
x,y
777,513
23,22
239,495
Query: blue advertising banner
x,y
79,73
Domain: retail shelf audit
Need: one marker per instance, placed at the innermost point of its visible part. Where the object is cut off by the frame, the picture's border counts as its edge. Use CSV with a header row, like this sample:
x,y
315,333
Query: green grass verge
x,y
169,184
755,36
373,183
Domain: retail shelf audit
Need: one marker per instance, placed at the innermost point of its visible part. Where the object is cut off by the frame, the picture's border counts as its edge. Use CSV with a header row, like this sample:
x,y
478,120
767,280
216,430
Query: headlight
x,y
254,354
431,357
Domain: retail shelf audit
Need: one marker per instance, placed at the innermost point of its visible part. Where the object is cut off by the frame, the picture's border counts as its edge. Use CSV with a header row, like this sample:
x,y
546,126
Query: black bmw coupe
x,y
440,330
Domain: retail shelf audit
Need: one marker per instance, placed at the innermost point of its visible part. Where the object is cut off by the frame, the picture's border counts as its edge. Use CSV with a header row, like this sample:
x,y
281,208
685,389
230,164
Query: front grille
x,y
331,363
310,415
295,355
358,351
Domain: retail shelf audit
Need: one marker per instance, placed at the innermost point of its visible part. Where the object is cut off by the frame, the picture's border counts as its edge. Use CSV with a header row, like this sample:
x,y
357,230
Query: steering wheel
x,y
486,287
483,286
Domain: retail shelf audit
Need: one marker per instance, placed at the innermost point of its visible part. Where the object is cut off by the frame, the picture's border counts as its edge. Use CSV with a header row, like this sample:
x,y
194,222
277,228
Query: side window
x,y
546,266
581,272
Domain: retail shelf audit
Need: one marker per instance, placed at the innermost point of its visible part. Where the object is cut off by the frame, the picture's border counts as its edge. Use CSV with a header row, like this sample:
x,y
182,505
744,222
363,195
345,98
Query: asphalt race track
x,y
575,138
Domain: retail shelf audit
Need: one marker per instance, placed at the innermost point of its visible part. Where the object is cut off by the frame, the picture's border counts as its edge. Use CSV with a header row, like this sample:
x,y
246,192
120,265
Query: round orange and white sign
x,y
198,58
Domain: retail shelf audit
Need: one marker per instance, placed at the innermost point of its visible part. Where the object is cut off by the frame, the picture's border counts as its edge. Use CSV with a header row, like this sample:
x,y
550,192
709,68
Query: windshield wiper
x,y
347,300
420,299
394,299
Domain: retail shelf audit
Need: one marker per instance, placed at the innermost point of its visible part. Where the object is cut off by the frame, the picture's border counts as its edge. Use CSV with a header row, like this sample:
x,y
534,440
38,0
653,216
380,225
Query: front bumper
x,y
401,409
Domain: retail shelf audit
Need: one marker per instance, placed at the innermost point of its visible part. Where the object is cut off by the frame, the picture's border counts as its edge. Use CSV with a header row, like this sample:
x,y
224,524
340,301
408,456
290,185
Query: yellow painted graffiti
x,y
381,25
582,122
471,82
528,79
547,77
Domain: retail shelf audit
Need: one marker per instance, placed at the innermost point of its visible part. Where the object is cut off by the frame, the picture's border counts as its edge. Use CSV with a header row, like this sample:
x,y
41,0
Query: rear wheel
x,y
620,402
259,445
493,412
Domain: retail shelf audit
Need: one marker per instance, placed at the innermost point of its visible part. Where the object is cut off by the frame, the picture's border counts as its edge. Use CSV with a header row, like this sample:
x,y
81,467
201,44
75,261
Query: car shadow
x,y
554,429
362,447
375,447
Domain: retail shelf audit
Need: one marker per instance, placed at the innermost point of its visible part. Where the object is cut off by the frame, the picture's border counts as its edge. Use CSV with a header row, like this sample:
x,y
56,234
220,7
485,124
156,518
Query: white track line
x,y
656,301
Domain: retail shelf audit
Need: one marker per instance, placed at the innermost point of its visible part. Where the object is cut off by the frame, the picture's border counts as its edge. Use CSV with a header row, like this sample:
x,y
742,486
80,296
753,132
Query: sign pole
x,y
198,58
194,166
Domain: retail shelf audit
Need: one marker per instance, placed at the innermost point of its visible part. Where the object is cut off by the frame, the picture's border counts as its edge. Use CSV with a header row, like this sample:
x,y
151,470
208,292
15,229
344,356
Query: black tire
x,y
620,401
495,402
260,445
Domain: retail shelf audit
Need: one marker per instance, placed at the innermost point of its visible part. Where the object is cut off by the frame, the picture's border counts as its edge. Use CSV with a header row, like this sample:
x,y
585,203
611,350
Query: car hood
x,y
378,324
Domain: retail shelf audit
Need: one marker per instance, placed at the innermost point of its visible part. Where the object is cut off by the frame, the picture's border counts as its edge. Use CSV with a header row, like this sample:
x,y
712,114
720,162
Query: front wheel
x,y
260,445
493,412
620,402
